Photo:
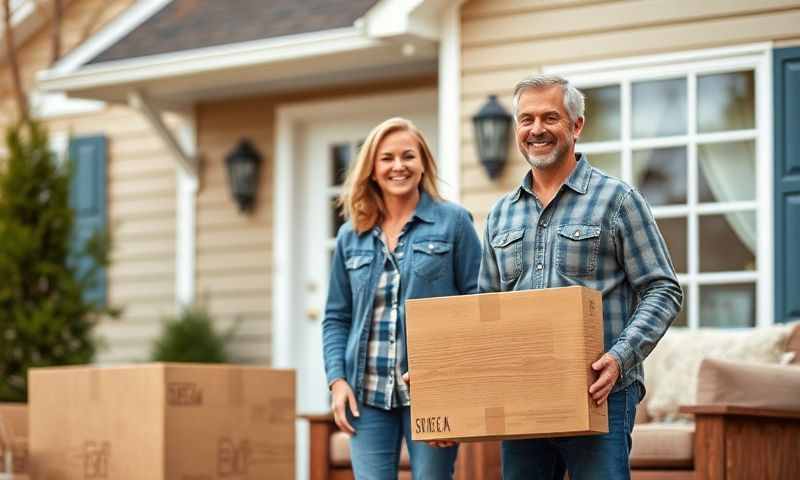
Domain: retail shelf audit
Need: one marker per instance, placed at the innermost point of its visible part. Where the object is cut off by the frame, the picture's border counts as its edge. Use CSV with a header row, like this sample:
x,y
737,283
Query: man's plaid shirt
x,y
597,232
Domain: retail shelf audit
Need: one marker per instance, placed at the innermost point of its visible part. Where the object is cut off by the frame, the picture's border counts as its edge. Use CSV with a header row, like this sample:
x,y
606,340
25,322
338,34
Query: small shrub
x,y
191,337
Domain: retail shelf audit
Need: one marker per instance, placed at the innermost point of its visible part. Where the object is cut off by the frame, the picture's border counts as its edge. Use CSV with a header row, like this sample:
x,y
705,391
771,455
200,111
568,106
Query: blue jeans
x,y
590,457
375,448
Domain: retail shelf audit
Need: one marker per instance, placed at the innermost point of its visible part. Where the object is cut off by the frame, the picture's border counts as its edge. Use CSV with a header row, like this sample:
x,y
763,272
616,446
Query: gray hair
x,y
573,98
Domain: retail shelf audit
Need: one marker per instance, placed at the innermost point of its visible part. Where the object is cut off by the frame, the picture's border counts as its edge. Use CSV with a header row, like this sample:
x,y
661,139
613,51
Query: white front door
x,y
314,146
328,149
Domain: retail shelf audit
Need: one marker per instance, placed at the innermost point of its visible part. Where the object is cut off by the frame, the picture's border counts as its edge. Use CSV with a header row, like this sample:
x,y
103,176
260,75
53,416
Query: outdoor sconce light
x,y
243,164
492,127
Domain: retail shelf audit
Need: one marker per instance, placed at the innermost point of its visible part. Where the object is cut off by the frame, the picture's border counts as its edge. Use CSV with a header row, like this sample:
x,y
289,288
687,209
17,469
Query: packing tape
x,y
489,308
236,387
495,420
94,385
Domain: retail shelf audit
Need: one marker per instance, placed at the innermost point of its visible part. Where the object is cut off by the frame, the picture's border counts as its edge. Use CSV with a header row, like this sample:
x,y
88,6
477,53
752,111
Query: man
x,y
571,224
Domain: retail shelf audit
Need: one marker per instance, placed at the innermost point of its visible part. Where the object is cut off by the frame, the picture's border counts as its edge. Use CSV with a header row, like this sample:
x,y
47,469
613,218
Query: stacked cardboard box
x,y
162,422
505,365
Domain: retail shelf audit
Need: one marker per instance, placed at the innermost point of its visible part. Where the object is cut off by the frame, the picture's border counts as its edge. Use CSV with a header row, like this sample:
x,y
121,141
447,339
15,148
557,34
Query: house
x,y
692,102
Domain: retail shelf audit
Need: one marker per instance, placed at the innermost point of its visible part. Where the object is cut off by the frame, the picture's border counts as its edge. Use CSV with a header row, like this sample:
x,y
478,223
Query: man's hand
x,y
342,396
608,373
438,444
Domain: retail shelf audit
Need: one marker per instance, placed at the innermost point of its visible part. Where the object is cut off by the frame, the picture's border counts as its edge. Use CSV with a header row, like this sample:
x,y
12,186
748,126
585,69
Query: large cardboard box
x,y
162,422
505,365
14,419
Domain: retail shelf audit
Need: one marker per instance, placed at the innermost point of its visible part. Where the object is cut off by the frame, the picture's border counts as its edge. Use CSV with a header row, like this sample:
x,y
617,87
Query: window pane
x,y
336,218
683,316
726,101
607,162
731,305
340,160
674,232
659,108
728,242
603,121
660,174
727,171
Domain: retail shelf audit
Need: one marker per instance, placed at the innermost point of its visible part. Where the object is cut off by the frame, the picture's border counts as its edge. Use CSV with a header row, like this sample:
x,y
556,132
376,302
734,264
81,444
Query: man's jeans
x,y
375,448
592,457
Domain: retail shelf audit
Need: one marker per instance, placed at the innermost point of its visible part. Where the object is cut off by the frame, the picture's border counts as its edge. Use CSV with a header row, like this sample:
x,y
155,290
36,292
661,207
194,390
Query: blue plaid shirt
x,y
597,232
383,383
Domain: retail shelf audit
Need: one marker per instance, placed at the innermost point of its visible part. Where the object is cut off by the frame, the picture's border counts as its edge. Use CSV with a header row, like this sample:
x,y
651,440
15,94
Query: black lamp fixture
x,y
492,126
243,164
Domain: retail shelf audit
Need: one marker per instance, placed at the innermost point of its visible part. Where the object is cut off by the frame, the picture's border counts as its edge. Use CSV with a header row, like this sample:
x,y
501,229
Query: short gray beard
x,y
545,161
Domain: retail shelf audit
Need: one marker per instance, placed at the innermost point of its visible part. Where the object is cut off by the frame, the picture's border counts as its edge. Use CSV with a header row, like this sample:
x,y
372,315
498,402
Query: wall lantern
x,y
492,127
244,164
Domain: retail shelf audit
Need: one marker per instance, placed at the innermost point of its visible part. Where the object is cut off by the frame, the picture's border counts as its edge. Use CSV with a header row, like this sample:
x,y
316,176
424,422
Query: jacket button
x,y
577,233
430,246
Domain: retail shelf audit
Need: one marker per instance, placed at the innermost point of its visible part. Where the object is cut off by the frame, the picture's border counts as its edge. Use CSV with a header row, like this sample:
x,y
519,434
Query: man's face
x,y
545,134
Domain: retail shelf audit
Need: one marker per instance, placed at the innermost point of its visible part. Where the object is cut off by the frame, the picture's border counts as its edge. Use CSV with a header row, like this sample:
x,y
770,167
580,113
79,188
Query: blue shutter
x,y
787,183
88,199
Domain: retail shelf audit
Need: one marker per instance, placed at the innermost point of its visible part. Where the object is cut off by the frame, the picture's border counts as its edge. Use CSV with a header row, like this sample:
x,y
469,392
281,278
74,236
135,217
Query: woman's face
x,y
398,165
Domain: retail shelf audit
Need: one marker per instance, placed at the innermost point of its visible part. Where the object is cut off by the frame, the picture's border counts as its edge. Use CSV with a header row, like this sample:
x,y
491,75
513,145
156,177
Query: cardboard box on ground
x,y
14,418
505,365
162,422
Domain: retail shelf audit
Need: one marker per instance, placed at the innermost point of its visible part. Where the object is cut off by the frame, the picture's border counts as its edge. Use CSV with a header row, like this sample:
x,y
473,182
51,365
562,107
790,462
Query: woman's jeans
x,y
375,448
590,457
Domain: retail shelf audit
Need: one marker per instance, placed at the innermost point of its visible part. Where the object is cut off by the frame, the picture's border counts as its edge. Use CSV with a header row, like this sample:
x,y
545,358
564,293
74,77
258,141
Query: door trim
x,y
288,117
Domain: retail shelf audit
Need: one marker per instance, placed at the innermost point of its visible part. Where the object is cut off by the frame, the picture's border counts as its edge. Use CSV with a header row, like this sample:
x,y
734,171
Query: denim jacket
x,y
444,252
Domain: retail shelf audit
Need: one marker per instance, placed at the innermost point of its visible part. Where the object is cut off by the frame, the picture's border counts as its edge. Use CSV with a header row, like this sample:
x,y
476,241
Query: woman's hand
x,y
437,444
342,396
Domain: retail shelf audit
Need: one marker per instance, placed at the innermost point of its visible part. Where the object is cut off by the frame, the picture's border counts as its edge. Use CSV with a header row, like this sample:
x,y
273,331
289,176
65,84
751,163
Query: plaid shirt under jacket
x,y
597,232
383,383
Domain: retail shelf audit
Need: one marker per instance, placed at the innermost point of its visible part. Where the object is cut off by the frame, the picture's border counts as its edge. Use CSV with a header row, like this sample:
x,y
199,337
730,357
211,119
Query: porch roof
x,y
191,24
178,52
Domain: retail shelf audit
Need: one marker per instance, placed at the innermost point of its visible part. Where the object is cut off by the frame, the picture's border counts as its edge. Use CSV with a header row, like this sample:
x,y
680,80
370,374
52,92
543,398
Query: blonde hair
x,y
361,196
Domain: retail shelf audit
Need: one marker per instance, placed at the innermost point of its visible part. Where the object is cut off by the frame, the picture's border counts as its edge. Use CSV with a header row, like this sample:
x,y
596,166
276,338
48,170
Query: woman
x,y
401,241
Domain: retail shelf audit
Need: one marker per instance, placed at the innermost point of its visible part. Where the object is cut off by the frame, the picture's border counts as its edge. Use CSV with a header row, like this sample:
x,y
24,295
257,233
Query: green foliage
x,y
44,319
191,338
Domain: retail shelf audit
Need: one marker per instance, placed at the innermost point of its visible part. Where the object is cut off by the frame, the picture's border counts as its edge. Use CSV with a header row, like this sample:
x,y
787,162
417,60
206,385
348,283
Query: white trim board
x,y
186,214
53,105
209,59
114,31
450,103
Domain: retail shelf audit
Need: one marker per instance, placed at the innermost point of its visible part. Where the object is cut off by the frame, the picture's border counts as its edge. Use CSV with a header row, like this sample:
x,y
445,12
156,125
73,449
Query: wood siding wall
x,y
506,40
234,251
141,193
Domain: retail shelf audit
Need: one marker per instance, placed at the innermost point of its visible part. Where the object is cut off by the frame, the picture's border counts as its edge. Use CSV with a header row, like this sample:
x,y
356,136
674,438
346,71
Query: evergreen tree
x,y
44,318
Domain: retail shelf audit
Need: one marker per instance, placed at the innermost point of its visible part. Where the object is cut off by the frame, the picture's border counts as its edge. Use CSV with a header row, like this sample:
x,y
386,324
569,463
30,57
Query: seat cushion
x,y
340,451
671,369
749,384
663,445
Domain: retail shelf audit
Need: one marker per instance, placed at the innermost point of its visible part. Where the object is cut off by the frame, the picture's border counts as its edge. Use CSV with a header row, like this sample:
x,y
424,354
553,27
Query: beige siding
x,y
505,40
141,210
141,192
234,251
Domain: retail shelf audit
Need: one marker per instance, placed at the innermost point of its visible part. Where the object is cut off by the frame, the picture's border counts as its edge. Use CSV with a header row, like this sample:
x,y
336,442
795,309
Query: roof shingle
x,y
191,24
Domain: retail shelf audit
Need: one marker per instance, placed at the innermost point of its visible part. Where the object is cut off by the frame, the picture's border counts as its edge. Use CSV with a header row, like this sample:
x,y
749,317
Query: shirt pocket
x,y
356,265
577,246
507,248
431,258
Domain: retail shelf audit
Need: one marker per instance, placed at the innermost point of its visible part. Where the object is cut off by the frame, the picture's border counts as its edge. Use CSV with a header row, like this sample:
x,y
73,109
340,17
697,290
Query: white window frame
x,y
691,64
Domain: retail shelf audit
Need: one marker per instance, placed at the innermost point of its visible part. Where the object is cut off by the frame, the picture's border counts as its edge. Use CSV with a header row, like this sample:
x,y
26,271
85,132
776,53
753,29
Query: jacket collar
x,y
425,208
